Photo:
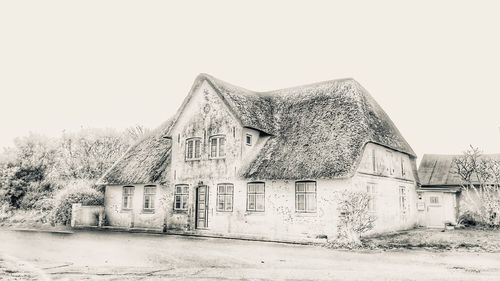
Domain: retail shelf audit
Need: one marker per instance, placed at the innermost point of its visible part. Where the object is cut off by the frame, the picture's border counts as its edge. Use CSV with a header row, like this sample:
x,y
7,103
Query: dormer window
x,y
248,139
193,149
217,147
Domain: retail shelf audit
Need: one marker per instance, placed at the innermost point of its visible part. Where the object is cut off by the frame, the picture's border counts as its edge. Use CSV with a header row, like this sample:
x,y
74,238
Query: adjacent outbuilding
x,y
441,196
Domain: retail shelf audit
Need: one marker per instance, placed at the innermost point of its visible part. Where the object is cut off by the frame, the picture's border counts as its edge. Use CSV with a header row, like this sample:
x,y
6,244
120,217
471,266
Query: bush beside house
x,y
37,168
76,192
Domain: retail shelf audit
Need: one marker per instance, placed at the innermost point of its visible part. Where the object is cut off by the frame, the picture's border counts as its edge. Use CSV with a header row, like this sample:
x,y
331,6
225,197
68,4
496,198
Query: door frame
x,y
197,206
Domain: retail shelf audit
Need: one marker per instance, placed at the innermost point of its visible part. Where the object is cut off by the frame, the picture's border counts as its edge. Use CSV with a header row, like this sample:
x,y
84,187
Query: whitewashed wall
x,y
136,217
388,170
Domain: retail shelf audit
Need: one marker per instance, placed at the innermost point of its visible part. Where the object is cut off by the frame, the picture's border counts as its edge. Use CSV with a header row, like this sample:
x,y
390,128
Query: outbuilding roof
x,y
438,170
317,131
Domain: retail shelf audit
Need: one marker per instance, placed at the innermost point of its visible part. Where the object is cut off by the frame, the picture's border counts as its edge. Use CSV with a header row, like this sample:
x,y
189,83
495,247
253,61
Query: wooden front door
x,y
202,207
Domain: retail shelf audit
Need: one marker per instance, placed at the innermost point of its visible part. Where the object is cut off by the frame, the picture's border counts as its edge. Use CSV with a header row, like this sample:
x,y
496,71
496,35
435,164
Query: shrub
x,y
36,196
5,211
355,218
44,204
76,192
480,181
467,219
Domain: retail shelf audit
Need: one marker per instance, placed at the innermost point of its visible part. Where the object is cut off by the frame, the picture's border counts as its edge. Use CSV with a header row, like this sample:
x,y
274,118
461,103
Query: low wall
x,y
87,215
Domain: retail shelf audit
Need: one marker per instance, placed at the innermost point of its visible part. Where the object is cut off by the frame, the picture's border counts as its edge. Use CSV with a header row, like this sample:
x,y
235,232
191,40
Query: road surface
x,y
134,256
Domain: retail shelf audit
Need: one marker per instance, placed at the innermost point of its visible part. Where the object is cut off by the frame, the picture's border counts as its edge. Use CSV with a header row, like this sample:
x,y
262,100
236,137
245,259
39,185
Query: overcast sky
x,y
434,67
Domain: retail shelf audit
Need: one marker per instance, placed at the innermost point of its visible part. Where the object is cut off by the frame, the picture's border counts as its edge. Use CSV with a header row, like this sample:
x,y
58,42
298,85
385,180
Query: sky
x,y
433,66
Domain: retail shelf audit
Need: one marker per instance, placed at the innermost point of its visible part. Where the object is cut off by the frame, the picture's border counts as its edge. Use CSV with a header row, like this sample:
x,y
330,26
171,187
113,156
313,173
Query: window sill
x,y
180,211
217,158
306,214
146,212
255,213
126,210
192,160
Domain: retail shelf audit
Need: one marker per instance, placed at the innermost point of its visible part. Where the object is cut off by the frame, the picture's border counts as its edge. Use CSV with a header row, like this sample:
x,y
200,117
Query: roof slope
x,y
437,170
254,110
147,161
318,130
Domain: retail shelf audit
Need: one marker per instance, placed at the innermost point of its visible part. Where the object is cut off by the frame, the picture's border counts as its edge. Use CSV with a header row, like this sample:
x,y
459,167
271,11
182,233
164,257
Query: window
x,y
128,194
403,170
371,189
389,162
181,197
256,197
434,199
217,146
225,193
378,162
403,203
374,162
193,149
149,198
248,139
305,197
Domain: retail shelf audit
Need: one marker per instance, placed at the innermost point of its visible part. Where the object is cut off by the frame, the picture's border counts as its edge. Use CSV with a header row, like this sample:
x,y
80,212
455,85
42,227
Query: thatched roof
x,y
318,130
438,170
145,162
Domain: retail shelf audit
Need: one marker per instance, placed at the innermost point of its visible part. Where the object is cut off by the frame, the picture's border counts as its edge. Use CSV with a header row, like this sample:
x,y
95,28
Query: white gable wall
x,y
389,171
205,115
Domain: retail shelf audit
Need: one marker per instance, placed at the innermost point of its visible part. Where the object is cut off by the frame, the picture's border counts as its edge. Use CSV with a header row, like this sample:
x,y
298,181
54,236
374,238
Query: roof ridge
x,y
273,92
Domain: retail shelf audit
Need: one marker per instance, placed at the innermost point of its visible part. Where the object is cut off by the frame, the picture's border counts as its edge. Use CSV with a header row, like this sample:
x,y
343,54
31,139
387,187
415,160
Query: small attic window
x,y
248,139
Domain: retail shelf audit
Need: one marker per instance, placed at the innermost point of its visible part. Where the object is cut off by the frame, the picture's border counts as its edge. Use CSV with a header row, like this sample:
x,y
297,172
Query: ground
x,y
471,239
103,255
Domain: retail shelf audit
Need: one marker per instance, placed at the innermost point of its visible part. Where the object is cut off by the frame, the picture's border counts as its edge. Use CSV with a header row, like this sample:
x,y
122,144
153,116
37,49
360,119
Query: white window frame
x,y
390,162
371,189
196,145
248,139
218,152
403,168
403,203
225,196
127,197
149,198
374,161
306,190
181,195
254,195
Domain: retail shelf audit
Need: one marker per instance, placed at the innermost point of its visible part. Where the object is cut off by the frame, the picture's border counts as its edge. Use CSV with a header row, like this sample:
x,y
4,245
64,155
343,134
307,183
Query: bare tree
x,y
480,183
88,153
136,132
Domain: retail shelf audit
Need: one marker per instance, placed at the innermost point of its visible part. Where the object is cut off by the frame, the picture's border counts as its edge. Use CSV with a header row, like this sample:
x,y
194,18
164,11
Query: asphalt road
x,y
134,256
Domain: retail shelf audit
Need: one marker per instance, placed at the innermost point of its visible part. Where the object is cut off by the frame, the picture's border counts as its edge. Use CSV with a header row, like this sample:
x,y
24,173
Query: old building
x,y
440,194
268,165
